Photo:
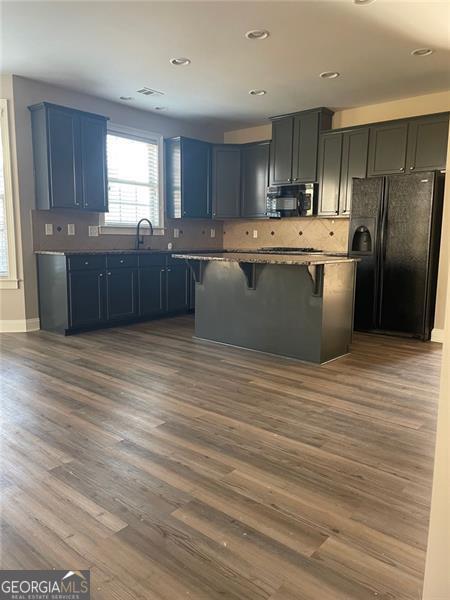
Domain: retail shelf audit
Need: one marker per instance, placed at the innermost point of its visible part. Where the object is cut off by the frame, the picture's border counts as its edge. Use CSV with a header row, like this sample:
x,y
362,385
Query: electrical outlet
x,y
255,233
93,231
48,229
70,229
176,233
213,232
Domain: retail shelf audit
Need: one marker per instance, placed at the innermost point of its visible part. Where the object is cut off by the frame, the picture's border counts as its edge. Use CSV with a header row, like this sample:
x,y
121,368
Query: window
x,y
134,169
8,269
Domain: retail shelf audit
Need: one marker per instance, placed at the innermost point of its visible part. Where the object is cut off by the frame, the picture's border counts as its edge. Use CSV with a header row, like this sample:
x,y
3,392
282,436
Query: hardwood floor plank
x,y
174,469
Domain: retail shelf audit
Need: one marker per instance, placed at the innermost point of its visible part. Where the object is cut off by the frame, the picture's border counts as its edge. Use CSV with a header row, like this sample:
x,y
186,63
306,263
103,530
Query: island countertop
x,y
273,259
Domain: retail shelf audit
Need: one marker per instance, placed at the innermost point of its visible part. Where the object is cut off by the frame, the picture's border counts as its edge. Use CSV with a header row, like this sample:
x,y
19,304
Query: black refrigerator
x,y
395,231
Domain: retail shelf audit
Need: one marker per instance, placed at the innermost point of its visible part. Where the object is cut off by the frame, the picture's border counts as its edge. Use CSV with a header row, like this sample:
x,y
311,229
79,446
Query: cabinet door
x,y
355,145
93,163
387,148
86,298
306,139
178,283
152,291
64,158
254,179
281,151
427,144
195,178
226,181
121,294
330,154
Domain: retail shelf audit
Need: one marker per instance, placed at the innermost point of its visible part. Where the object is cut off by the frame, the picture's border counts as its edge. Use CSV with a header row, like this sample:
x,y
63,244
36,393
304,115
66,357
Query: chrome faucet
x,y
140,238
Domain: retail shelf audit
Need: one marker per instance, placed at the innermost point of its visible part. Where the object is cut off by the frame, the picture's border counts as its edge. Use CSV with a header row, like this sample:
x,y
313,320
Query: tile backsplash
x,y
311,232
191,234
324,234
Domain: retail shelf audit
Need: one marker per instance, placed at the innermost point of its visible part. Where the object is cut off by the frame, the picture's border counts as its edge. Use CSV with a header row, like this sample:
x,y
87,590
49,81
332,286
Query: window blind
x,y
3,230
133,181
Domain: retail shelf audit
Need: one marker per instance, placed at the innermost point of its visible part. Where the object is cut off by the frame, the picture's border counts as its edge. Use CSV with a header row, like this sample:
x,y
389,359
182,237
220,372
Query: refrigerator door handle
x,y
382,249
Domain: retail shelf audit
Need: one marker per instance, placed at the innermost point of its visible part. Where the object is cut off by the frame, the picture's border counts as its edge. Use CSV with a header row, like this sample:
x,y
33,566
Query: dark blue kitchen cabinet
x,y
254,179
177,286
88,291
69,153
295,140
188,178
93,163
226,181
86,298
152,285
121,294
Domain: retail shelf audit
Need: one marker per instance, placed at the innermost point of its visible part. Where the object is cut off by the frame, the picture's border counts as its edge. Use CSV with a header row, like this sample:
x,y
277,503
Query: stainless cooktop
x,y
286,250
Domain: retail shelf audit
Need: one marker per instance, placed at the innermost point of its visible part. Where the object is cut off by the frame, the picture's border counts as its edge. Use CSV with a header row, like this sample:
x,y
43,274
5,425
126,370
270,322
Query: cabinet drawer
x,y
152,260
86,261
116,261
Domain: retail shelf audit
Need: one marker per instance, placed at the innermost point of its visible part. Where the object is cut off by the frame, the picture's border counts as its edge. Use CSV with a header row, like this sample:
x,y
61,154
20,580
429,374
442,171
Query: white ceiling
x,y
111,49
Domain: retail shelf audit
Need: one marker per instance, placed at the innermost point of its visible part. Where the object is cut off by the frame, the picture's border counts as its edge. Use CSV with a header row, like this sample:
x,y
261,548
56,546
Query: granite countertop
x,y
275,259
124,251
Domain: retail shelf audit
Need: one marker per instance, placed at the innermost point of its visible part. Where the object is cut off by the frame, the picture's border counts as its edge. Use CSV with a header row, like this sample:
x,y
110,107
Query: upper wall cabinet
x,y
342,156
427,144
188,185
226,181
408,145
69,151
295,141
254,178
387,150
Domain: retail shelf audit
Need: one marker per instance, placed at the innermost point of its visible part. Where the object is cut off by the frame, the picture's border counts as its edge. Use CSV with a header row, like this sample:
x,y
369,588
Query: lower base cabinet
x,y
121,294
177,282
86,294
78,292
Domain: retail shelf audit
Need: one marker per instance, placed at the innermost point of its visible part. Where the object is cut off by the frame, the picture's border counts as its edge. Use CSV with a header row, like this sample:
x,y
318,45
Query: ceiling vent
x,y
146,91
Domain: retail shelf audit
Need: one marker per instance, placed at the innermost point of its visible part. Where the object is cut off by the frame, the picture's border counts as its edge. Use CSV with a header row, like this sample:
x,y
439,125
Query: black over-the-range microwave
x,y
291,201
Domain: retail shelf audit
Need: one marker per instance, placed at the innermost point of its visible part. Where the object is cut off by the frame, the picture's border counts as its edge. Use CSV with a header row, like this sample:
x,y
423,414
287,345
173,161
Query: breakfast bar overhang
x,y
295,306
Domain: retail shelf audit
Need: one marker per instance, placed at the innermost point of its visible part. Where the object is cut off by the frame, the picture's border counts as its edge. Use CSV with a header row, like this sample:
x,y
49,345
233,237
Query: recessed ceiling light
x,y
329,75
125,98
180,62
257,92
257,34
363,2
422,52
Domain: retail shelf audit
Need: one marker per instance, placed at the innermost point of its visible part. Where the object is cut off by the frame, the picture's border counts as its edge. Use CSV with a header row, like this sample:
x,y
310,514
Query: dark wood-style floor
x,y
176,469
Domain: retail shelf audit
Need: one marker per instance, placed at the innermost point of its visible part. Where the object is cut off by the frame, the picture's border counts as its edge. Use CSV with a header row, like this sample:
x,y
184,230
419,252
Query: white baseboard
x,y
19,325
437,335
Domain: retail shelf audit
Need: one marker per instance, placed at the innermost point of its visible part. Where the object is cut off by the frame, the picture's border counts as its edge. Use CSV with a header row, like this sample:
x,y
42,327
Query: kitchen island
x,y
300,306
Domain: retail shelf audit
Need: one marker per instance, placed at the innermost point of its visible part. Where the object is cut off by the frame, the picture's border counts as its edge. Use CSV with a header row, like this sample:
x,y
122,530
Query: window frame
x,y
10,280
142,136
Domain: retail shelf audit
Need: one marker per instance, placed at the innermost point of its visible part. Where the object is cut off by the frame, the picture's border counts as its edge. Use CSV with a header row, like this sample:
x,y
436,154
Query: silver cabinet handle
x,y
121,261
169,270
101,275
109,273
411,168
402,168
86,262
